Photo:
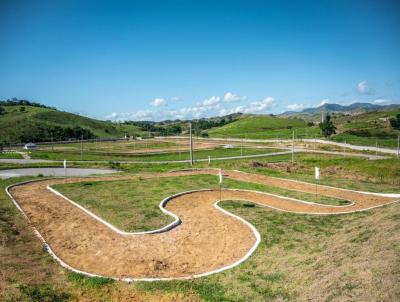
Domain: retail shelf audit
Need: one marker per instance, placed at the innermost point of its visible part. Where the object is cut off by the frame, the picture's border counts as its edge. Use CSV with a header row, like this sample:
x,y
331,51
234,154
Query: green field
x,y
165,156
265,127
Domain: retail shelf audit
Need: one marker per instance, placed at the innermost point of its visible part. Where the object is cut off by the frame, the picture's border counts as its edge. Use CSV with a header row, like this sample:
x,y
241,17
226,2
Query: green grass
x,y
10,155
366,141
165,156
42,293
263,127
132,205
89,282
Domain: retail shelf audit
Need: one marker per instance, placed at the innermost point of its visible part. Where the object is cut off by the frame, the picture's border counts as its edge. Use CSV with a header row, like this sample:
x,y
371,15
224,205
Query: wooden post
x,y
293,147
191,144
82,147
398,145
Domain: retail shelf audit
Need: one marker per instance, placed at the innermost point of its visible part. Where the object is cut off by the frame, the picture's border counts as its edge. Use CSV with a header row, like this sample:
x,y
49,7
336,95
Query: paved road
x,y
353,147
53,172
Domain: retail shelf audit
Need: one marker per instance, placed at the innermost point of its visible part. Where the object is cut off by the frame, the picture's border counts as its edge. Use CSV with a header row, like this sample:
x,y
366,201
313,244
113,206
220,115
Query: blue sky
x,y
183,59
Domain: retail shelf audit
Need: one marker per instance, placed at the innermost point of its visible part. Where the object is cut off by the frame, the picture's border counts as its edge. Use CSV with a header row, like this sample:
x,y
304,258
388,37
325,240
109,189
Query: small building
x,y
30,146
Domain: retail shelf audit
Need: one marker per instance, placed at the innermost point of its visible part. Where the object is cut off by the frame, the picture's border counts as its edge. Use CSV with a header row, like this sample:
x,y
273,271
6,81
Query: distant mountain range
x,y
353,108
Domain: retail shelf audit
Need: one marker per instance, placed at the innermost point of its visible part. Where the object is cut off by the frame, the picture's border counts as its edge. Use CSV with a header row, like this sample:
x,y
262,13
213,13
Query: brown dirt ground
x,y
206,240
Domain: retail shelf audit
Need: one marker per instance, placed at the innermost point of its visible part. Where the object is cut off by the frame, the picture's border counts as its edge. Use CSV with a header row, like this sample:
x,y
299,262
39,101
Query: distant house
x,y
30,146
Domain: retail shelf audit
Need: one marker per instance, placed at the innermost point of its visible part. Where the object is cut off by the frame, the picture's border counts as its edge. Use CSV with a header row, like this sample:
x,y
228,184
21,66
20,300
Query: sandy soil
x,y
206,240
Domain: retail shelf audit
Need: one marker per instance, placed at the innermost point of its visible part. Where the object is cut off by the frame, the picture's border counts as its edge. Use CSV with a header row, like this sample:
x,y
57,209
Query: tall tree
x,y
327,127
395,122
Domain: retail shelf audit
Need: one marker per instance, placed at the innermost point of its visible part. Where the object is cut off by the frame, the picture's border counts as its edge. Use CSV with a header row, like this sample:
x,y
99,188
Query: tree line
x,y
17,102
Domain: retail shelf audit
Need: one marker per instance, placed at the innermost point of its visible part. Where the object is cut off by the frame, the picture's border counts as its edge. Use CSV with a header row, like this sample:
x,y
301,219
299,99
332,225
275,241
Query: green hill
x,y
263,127
24,123
368,128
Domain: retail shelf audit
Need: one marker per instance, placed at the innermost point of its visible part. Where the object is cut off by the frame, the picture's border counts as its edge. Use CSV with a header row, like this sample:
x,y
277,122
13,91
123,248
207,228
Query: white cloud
x,y
323,102
254,107
364,88
157,102
126,116
211,101
208,107
295,107
379,101
231,97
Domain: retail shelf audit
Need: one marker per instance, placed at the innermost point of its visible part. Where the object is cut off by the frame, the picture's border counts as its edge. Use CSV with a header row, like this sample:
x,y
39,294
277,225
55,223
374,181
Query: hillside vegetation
x,y
19,124
368,128
264,127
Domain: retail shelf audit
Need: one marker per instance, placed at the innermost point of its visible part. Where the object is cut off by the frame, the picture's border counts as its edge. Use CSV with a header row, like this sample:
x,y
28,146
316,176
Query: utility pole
x,y
190,143
293,147
398,145
52,146
344,148
376,147
241,149
82,147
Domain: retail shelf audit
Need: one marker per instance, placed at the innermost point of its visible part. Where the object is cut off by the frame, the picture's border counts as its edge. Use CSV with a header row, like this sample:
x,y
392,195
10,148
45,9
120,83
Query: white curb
x,y
162,205
393,195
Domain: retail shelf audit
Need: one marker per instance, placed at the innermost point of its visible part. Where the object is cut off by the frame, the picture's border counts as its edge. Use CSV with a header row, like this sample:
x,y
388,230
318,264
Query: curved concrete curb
x,y
162,205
